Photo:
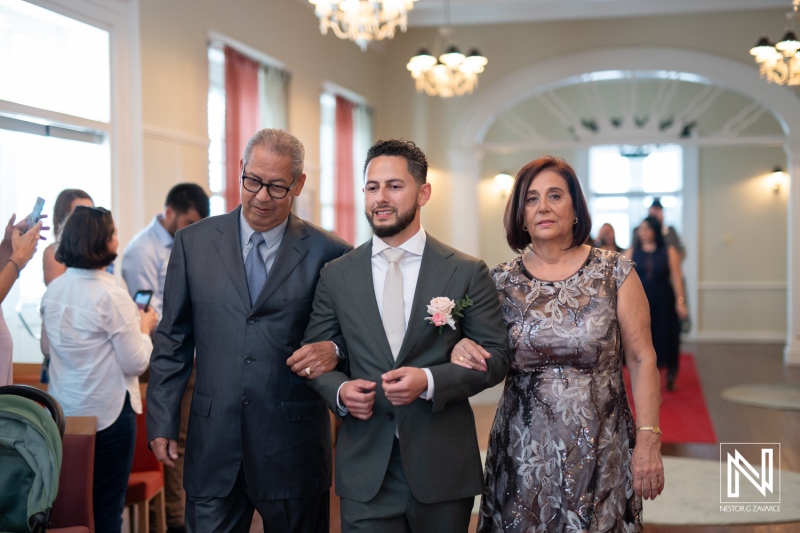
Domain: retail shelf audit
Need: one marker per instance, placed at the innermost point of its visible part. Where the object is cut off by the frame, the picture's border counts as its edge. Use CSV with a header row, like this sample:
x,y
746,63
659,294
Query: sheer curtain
x,y
241,116
362,140
273,94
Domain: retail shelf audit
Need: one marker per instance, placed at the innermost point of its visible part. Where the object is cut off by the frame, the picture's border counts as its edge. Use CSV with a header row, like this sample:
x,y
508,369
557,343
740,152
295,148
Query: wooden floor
x,y
719,366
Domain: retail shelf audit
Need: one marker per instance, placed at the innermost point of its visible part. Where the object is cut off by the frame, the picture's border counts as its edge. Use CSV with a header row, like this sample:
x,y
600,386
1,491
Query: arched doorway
x,y
469,145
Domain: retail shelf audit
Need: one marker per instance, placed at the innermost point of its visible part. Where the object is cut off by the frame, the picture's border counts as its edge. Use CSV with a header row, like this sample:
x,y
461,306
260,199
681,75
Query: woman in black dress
x,y
659,267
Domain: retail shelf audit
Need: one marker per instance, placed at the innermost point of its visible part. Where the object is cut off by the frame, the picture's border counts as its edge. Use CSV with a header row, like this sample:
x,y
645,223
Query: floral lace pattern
x,y
561,444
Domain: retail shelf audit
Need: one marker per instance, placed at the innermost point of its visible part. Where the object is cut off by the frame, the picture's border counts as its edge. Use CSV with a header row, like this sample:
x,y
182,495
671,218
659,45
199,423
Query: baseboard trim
x,y
737,337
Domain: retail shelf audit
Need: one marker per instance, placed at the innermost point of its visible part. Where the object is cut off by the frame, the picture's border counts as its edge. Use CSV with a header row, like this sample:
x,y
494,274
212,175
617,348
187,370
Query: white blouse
x,y
97,349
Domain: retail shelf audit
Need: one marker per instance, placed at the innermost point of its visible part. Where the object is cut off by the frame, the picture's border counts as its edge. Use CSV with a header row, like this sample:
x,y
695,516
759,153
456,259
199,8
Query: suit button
x,y
245,401
389,416
251,321
248,360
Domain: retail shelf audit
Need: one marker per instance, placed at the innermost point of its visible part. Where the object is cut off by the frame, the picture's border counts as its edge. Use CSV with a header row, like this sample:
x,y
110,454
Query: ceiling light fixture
x,y
453,74
362,21
780,63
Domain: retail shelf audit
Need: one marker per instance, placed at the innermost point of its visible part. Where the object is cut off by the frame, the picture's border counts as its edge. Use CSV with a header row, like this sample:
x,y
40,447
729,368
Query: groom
x,y
407,454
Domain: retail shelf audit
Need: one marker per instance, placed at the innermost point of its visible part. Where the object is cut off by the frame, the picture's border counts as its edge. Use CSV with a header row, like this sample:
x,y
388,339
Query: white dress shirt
x,y
272,240
409,270
97,349
145,261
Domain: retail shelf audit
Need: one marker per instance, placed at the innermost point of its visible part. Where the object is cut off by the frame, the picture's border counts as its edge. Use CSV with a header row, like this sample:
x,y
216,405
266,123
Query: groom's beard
x,y
403,221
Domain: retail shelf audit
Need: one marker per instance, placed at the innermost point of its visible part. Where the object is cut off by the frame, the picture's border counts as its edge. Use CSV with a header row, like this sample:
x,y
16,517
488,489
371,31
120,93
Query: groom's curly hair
x,y
415,158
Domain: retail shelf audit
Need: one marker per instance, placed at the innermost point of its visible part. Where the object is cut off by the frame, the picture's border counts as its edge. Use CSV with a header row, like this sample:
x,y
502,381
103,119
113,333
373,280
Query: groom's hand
x,y
404,385
358,396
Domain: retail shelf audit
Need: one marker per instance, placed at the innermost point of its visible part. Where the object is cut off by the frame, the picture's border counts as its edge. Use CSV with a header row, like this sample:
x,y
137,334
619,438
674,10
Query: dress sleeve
x,y
623,268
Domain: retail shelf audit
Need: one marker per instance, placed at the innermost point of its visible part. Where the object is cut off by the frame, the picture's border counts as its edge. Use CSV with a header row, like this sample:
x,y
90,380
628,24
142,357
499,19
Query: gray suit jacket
x,y
248,407
438,442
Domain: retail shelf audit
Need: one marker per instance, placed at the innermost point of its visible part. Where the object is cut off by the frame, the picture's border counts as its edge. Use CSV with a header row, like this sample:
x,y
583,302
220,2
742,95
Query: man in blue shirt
x,y
144,267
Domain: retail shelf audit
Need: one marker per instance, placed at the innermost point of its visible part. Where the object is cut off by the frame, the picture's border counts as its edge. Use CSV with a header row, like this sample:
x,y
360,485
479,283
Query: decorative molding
x,y
737,337
246,50
163,134
36,114
742,286
332,88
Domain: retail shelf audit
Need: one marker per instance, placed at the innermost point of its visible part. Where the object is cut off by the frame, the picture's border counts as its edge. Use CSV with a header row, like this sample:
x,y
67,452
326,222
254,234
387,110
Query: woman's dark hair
x,y
61,209
85,239
514,218
655,225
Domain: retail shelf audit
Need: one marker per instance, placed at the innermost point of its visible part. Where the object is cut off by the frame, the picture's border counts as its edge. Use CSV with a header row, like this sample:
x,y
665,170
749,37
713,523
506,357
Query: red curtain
x,y
344,216
241,117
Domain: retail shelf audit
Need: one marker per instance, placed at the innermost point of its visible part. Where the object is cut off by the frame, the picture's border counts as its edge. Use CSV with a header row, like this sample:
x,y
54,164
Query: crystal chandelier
x,y
780,63
453,74
362,21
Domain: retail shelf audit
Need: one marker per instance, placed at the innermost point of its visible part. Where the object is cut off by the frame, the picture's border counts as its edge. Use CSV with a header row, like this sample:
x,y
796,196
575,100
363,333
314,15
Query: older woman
x,y
565,453
100,344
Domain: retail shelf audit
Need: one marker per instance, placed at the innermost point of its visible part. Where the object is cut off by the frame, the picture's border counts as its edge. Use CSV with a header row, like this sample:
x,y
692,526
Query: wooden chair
x,y
73,511
146,483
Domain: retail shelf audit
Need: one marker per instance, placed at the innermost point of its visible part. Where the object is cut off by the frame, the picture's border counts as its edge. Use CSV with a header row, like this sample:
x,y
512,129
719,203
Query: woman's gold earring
x,y
524,228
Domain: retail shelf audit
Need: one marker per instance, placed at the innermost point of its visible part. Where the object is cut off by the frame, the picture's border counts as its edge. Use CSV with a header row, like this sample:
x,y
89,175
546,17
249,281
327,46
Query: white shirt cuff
x,y
428,394
339,407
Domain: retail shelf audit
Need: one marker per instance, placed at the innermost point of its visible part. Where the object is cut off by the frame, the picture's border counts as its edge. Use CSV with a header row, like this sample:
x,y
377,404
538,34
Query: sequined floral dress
x,y
561,443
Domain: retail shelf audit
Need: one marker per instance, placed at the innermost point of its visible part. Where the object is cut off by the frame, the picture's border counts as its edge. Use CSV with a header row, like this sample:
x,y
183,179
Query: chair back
x,y
73,507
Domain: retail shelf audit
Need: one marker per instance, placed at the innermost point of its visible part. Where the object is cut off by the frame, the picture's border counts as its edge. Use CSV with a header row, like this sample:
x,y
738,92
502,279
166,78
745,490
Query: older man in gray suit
x,y
407,454
239,289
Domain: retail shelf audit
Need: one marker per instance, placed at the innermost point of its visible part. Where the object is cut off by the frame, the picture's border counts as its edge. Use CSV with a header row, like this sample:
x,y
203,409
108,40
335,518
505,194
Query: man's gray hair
x,y
278,142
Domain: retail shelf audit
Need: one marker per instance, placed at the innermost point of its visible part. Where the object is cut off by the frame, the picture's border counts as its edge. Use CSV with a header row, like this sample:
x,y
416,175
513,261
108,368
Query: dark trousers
x,y
113,458
234,513
395,510
174,496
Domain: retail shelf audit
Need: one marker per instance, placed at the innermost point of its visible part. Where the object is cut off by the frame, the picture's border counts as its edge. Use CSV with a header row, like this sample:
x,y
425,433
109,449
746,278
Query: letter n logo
x,y
743,482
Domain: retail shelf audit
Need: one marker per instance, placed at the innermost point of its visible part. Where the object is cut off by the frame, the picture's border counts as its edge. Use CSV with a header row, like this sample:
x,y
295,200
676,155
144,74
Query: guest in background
x,y
607,239
100,344
67,201
659,266
565,453
671,237
16,249
144,267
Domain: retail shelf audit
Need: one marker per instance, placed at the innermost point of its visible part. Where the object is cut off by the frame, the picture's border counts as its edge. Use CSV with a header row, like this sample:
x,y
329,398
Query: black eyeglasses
x,y
276,192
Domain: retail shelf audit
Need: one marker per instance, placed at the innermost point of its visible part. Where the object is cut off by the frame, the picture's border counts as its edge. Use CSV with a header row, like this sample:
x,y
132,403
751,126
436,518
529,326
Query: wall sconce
x,y
505,182
776,179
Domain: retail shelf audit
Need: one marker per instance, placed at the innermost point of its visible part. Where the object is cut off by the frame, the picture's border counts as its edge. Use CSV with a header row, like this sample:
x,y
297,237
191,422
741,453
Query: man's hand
x,y
404,385
313,360
160,446
359,397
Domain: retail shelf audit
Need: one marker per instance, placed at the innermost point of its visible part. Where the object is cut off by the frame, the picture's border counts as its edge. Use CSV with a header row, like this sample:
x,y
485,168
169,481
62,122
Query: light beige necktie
x,y
394,322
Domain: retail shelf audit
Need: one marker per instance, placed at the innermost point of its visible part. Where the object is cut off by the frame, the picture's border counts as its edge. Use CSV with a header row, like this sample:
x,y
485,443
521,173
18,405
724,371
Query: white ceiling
x,y
464,12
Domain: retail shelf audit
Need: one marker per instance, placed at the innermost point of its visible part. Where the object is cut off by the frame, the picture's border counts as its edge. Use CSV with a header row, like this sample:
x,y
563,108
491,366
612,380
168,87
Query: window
x,y
49,139
624,181
270,93
340,213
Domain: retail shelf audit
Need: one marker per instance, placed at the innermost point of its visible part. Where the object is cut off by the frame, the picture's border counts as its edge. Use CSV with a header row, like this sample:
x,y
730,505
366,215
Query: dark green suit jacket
x,y
438,442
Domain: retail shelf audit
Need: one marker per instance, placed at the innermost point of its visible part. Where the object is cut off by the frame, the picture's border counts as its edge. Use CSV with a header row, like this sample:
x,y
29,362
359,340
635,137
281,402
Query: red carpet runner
x,y
684,416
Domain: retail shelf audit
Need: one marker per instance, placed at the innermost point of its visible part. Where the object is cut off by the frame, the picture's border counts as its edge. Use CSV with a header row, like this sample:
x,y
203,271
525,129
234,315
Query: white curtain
x,y
273,91
362,140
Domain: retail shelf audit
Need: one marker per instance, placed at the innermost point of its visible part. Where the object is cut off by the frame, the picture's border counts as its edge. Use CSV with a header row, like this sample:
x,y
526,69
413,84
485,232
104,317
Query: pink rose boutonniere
x,y
442,310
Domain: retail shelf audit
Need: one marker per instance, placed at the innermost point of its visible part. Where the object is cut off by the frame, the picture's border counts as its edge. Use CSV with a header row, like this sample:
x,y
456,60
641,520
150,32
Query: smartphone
x,y
142,299
35,215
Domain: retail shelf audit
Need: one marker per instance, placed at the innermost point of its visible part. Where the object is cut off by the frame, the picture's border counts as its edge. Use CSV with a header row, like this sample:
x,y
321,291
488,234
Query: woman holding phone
x,y
16,249
100,344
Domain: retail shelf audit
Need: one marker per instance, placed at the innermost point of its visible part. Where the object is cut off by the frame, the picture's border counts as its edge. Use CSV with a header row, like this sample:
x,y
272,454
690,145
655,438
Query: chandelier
x,y
362,21
453,74
780,63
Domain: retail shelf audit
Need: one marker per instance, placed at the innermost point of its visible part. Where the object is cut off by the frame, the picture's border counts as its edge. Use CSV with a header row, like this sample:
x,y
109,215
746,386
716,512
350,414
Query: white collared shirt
x,y
272,240
409,270
97,349
145,261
